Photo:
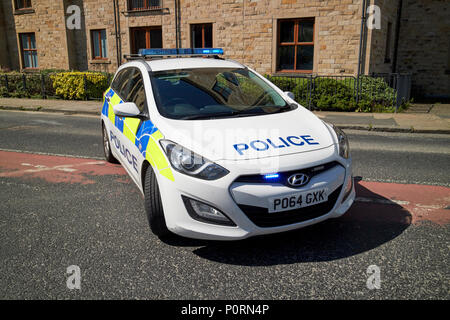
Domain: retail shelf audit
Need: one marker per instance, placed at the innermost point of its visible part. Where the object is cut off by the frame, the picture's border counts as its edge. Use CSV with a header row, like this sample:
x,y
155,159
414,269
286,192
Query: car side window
x,y
121,82
136,92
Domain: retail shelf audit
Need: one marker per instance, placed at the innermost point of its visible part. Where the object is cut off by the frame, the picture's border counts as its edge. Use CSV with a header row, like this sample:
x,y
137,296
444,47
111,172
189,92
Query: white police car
x,y
218,151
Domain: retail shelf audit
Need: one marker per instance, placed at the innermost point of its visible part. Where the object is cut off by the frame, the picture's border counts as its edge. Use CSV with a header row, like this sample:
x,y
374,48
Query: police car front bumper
x,y
245,204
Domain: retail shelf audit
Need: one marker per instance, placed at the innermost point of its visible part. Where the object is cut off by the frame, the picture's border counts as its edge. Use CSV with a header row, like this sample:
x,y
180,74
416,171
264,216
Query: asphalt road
x,y
91,215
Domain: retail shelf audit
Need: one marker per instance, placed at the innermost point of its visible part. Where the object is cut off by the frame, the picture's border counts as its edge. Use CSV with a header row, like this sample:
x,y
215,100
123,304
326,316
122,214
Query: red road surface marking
x,y
376,201
54,169
421,201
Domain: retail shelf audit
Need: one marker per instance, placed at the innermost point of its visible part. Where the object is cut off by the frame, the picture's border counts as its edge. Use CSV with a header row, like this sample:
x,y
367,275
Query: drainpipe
x,y
361,37
177,24
397,36
115,33
119,35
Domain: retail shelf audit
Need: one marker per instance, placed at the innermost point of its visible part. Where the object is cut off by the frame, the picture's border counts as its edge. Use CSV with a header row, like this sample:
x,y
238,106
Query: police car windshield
x,y
211,93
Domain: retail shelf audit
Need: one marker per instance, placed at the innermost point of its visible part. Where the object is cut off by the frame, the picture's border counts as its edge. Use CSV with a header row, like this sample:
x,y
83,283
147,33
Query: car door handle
x,y
108,99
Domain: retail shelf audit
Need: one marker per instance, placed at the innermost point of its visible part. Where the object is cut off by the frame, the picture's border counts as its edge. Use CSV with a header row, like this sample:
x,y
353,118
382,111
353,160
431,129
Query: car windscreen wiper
x,y
238,113
216,115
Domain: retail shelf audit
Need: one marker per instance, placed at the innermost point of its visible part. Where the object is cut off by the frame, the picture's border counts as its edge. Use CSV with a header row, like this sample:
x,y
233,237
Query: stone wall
x,y
425,45
379,38
247,29
46,20
4,56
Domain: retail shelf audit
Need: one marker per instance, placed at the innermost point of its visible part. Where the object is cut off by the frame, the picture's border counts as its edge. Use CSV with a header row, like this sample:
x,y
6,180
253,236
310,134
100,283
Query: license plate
x,y
298,200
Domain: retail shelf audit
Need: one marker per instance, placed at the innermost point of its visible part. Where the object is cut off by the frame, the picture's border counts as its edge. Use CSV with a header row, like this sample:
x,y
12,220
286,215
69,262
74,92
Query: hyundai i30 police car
x,y
218,151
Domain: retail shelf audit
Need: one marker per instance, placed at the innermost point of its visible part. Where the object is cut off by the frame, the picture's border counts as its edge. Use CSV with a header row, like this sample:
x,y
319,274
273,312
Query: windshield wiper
x,y
209,115
239,113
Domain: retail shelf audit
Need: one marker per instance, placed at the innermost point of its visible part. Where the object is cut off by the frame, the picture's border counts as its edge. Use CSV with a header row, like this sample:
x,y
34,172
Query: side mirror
x,y
290,95
126,109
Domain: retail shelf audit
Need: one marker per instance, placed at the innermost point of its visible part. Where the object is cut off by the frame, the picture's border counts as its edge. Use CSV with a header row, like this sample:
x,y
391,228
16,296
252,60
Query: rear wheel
x,y
107,147
153,205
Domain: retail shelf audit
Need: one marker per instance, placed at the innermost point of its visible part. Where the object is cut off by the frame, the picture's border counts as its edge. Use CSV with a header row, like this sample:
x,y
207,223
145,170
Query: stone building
x,y
289,37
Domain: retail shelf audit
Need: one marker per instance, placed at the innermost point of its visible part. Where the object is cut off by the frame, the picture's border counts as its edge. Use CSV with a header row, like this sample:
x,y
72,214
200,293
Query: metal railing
x,y
39,85
312,91
386,90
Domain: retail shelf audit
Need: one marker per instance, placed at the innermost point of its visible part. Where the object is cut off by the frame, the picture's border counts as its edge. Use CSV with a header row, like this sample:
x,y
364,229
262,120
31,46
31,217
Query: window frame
x,y
146,6
25,3
295,43
101,57
203,25
147,36
22,50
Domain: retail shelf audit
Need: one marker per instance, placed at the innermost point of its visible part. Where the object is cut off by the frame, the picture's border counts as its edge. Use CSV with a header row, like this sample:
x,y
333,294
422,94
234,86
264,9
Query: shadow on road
x,y
365,226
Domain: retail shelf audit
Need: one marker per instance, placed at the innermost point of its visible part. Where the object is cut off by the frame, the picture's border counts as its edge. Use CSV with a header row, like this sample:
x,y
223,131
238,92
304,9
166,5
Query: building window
x,y
136,5
295,45
22,4
29,51
145,38
201,35
387,54
99,50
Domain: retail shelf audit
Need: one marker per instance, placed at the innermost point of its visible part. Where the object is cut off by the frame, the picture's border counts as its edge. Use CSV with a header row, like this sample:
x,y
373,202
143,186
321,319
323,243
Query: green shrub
x,y
376,95
326,94
284,83
71,85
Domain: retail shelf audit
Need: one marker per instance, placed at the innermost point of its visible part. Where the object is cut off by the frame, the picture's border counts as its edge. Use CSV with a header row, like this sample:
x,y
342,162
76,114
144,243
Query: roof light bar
x,y
181,52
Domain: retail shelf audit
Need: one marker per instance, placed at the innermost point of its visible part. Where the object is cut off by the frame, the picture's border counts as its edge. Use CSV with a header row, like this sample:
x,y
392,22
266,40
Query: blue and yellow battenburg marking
x,y
144,136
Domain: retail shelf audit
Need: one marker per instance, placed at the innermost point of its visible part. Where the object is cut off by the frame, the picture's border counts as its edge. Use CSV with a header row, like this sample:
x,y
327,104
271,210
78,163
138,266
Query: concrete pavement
x,y
431,118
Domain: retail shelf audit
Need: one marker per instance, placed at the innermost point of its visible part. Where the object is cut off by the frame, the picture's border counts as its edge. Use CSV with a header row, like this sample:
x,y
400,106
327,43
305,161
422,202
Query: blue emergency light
x,y
181,52
271,176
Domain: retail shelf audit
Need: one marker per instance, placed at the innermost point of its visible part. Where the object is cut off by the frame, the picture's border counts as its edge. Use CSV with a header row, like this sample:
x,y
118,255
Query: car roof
x,y
187,63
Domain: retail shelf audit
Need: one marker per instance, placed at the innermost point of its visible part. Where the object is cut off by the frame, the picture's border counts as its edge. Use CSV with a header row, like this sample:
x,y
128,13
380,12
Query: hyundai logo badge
x,y
298,180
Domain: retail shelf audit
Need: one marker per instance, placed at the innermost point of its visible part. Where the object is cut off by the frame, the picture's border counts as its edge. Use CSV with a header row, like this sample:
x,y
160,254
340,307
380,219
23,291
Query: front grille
x,y
283,176
262,218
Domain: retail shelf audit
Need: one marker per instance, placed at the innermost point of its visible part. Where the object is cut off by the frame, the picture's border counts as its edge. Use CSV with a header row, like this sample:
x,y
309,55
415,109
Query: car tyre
x,y
107,147
153,205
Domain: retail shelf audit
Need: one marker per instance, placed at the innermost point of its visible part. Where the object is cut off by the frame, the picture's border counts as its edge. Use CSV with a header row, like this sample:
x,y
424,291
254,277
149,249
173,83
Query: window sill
x,y
30,70
100,61
23,11
155,11
280,73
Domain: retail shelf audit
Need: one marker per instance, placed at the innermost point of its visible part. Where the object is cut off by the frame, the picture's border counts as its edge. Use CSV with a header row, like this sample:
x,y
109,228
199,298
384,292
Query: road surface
x,y
61,205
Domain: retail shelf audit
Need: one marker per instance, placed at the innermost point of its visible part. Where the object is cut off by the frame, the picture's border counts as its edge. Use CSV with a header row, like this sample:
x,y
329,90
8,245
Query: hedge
x,y
334,94
79,85
54,83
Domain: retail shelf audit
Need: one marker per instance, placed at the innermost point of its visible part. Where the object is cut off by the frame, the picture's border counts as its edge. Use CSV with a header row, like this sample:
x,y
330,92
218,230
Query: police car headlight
x,y
344,148
190,163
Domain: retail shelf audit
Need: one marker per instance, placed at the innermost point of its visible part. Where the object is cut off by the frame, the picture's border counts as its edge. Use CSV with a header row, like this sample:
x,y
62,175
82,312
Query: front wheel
x,y
107,147
153,205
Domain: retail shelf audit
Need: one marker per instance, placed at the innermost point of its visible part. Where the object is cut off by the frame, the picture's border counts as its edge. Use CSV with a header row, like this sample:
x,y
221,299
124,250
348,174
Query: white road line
x,y
52,154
